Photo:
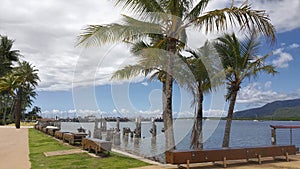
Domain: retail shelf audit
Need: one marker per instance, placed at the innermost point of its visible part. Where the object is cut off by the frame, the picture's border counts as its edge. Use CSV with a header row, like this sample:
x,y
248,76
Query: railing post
x,y
291,136
273,137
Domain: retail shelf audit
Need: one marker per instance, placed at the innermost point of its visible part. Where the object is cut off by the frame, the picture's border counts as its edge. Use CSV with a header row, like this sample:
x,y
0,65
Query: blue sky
x,y
75,81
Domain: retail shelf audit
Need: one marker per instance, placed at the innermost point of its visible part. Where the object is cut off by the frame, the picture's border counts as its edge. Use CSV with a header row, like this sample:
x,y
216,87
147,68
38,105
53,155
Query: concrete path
x,y
14,150
63,152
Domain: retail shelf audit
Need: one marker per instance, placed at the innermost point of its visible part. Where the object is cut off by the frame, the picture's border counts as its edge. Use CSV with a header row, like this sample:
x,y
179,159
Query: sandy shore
x,y
14,148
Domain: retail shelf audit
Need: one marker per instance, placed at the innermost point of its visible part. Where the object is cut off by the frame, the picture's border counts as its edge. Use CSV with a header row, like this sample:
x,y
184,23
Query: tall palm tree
x,y
171,18
7,55
240,59
27,77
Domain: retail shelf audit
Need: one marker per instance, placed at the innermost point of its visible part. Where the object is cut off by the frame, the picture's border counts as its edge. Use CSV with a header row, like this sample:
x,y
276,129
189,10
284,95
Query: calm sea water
x,y
243,133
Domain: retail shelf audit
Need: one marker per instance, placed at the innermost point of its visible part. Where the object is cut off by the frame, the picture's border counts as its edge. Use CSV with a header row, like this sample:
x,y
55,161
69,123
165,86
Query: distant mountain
x,y
277,109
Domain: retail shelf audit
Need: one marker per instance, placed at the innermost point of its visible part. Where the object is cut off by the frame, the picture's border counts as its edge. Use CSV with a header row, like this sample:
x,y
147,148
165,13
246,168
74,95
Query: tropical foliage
x,y
170,19
206,72
241,61
17,83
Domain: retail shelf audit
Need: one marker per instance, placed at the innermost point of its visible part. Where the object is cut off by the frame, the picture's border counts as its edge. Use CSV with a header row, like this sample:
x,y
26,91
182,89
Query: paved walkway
x,y
14,150
14,154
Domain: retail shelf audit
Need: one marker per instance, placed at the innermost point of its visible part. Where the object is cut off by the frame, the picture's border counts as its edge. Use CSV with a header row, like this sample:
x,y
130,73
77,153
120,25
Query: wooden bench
x,y
38,127
73,138
44,129
96,145
213,155
60,134
51,130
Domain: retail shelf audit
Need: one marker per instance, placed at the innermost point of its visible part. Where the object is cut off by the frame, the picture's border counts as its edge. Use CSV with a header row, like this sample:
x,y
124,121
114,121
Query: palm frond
x,y
128,72
140,7
244,16
197,10
132,29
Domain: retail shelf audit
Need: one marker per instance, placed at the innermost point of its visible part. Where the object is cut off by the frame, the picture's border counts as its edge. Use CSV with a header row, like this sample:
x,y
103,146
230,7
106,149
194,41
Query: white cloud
x,y
283,13
257,94
98,113
145,83
294,45
283,60
126,113
45,33
268,84
215,113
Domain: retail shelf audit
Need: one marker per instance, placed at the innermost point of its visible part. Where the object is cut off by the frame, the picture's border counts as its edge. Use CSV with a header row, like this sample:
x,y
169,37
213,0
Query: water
x,y
243,133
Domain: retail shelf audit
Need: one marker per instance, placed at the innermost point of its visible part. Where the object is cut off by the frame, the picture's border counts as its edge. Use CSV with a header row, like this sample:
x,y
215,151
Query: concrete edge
x,y
142,158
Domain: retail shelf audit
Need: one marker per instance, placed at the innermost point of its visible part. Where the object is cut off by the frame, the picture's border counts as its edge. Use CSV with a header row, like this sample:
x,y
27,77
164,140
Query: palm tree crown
x,y
7,55
170,19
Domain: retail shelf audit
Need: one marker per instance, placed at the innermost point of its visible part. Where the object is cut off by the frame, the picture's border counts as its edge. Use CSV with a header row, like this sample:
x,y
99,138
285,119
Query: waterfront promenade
x,y
14,148
15,154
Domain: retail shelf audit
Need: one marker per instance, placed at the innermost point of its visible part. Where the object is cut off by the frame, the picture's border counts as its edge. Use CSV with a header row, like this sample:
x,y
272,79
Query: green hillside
x,y
287,112
278,110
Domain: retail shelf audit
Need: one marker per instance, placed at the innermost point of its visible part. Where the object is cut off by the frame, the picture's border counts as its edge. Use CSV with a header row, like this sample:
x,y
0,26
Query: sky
x,y
76,81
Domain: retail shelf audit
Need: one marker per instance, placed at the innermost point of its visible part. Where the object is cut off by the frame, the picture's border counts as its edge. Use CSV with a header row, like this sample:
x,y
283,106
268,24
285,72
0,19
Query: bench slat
x,y
199,156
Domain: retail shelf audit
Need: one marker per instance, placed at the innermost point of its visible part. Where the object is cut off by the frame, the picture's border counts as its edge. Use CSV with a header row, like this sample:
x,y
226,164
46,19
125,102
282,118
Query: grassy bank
x,y
40,143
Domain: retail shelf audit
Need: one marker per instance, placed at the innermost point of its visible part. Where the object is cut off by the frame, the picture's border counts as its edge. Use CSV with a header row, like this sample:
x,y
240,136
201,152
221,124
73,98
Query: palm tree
x,y
201,64
147,64
171,19
27,77
34,112
241,61
8,85
7,55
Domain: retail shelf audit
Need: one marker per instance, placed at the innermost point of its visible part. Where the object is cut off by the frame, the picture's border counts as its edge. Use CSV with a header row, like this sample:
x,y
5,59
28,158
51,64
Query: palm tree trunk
x,y
12,110
5,110
18,108
167,115
167,99
197,133
226,138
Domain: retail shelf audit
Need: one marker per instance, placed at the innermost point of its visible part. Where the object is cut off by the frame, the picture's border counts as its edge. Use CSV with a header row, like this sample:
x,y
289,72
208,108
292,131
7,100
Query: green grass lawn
x,y
40,143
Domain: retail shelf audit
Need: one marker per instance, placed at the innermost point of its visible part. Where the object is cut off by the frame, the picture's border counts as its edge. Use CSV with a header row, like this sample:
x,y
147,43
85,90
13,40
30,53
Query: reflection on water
x,y
243,133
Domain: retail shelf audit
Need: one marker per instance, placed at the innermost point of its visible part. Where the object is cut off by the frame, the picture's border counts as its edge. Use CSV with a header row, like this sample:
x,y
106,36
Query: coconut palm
x,y
241,61
27,76
171,19
7,55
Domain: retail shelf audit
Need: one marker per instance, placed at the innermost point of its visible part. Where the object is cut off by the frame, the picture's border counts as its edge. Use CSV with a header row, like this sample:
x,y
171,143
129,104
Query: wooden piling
x,y
153,129
138,129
